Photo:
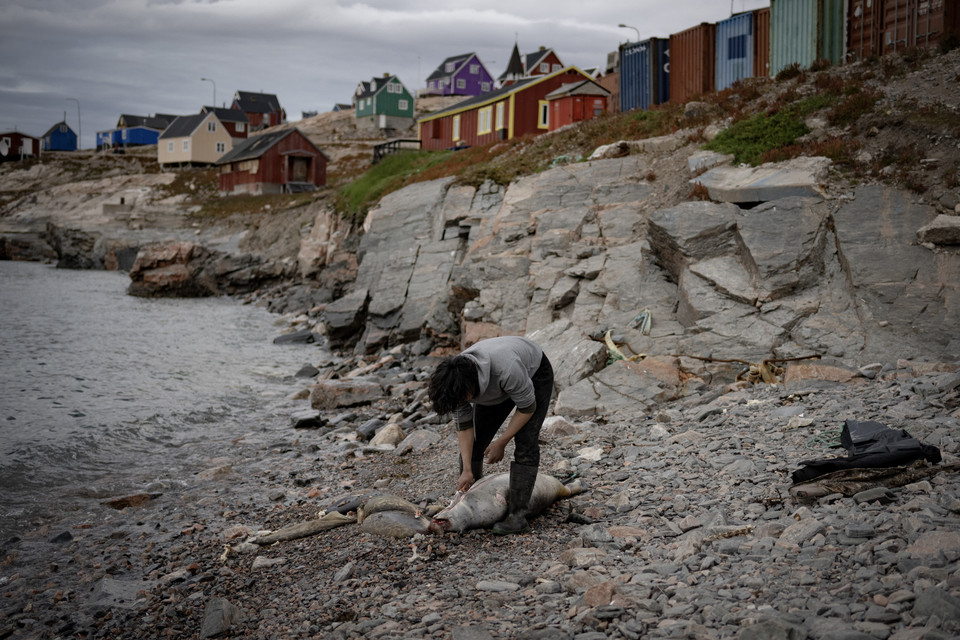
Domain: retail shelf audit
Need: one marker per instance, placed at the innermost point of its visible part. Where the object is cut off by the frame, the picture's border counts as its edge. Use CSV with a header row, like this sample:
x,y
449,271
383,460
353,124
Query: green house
x,y
384,96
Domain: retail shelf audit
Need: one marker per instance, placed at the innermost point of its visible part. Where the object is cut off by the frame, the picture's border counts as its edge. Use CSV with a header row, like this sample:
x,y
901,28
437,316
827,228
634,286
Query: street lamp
x,y
626,26
79,125
214,89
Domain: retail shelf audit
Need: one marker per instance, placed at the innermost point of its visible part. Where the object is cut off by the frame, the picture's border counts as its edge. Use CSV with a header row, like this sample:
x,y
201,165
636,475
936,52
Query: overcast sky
x,y
148,56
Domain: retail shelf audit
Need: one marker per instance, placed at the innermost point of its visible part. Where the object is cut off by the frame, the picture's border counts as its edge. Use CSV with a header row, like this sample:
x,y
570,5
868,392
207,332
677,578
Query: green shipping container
x,y
803,31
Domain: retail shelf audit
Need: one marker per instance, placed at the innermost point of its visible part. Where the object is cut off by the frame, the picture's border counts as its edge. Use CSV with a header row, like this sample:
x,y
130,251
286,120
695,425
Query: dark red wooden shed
x,y
283,161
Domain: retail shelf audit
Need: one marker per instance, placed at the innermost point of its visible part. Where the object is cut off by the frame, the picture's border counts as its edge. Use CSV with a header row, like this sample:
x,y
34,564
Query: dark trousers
x,y
487,420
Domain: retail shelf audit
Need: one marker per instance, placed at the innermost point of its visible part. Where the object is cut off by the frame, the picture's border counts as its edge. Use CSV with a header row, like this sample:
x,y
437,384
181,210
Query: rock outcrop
x,y
186,269
571,253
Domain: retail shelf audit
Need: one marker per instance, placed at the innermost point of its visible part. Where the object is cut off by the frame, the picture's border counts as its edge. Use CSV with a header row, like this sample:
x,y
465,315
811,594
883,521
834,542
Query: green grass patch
x,y
749,139
390,174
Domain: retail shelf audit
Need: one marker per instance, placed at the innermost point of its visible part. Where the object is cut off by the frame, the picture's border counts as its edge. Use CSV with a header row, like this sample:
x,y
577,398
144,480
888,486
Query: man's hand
x,y
466,481
494,451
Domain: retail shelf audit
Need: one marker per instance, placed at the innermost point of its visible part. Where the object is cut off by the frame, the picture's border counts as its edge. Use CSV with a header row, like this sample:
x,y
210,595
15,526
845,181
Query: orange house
x,y
513,111
576,102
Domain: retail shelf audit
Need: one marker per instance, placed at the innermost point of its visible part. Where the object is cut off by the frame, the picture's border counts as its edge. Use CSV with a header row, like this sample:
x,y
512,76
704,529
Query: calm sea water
x,y
103,394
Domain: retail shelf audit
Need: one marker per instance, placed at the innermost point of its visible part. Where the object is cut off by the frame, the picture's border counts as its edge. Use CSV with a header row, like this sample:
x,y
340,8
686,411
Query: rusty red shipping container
x,y
918,23
864,29
692,62
761,42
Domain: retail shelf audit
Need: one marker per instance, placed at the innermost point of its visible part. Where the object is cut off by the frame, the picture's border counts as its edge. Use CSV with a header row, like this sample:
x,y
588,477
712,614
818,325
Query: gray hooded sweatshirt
x,y
505,368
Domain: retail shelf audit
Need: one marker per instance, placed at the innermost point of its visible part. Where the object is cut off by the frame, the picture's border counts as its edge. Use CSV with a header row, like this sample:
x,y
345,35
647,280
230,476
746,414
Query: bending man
x,y
481,386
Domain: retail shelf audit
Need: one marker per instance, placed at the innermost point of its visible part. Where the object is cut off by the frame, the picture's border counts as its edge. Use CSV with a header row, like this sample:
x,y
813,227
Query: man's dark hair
x,y
452,381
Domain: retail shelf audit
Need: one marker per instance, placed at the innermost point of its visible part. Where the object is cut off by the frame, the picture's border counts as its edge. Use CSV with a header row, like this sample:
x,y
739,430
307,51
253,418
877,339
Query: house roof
x,y
227,115
258,145
184,126
531,60
584,88
496,95
373,87
459,61
250,102
342,106
159,121
515,66
56,126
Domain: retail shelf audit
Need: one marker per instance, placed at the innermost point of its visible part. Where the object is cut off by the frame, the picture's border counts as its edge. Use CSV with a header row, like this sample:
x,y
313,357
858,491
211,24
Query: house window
x,y
557,67
170,147
456,128
500,109
484,120
123,134
241,127
221,147
461,83
186,145
543,122
485,86
474,69
544,67
63,128
402,105
212,127
450,66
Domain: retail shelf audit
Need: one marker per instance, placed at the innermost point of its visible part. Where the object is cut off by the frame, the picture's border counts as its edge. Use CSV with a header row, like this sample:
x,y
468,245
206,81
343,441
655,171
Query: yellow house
x,y
193,140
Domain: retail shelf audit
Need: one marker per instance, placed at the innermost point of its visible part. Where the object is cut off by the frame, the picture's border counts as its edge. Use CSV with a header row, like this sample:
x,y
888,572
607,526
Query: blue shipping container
x,y
644,73
734,50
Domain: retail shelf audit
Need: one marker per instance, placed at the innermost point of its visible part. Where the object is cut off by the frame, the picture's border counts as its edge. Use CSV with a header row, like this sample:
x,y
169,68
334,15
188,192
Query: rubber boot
x,y
522,480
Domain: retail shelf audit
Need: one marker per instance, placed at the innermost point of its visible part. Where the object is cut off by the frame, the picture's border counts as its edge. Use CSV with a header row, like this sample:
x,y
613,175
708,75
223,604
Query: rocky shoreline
x,y
687,529
651,303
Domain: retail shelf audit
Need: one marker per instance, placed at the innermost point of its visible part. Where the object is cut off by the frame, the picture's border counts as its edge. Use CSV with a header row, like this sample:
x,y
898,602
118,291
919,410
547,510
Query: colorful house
x,y
515,110
383,103
283,161
262,109
575,102
15,145
60,137
463,75
134,130
233,120
200,139
538,63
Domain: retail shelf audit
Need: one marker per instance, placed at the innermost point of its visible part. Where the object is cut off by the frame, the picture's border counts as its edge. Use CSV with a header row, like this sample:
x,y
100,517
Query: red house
x,y
539,63
576,102
282,161
262,109
17,146
512,111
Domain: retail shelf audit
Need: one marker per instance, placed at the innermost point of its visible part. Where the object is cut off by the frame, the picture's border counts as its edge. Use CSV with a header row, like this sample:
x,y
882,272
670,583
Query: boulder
x,y
943,230
171,270
332,394
573,355
343,318
629,388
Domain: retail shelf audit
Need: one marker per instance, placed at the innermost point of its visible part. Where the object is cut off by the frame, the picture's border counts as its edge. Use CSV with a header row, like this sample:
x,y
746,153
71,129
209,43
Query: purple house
x,y
462,75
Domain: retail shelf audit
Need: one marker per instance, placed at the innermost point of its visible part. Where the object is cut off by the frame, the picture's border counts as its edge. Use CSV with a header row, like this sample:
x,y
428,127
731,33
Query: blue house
x,y
60,137
134,131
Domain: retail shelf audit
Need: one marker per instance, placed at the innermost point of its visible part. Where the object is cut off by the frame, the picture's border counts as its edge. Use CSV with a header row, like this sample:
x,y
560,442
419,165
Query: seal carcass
x,y
485,503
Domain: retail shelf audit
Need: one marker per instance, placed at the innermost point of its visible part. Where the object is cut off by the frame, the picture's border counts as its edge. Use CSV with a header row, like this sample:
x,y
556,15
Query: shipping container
x,y
803,31
734,55
644,73
692,66
761,42
864,29
918,23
